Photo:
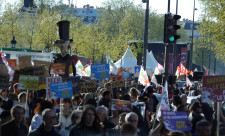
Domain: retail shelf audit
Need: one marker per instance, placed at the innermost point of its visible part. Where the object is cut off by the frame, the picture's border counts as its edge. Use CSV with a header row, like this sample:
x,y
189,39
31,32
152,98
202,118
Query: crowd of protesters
x,y
90,114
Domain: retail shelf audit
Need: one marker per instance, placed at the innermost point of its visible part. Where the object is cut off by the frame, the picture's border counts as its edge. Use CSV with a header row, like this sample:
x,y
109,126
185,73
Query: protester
x,y
16,89
127,129
16,127
102,113
37,118
152,100
75,116
5,117
133,94
65,116
203,128
106,99
22,100
89,124
47,127
7,103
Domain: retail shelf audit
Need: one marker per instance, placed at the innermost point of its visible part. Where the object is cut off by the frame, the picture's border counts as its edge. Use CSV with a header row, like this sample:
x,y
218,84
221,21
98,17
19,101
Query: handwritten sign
x,y
58,69
116,84
49,94
4,81
86,87
100,71
25,61
35,71
28,82
213,89
121,105
176,121
62,89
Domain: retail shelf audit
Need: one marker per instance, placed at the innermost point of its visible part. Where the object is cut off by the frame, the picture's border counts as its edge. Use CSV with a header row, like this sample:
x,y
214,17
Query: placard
x,y
33,70
100,71
25,61
137,70
116,84
28,82
4,81
62,89
176,121
12,62
75,81
58,69
121,105
49,94
126,75
213,89
89,86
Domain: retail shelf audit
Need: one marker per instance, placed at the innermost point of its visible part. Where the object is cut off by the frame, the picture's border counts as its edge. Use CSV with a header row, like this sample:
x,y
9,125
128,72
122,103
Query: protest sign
x,y
61,89
89,86
28,82
126,75
116,84
25,61
121,105
100,71
137,70
33,70
58,69
75,81
49,80
176,121
43,63
4,81
12,62
213,89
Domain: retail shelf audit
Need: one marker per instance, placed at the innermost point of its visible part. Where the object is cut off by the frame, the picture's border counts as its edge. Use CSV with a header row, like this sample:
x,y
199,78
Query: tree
x,y
212,26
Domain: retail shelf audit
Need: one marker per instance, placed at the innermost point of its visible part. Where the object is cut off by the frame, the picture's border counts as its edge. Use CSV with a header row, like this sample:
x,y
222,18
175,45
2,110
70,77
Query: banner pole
x,y
218,118
60,115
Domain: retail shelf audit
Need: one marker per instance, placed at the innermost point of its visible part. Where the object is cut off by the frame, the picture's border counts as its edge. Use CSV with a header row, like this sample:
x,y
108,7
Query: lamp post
x,y
192,33
145,32
13,42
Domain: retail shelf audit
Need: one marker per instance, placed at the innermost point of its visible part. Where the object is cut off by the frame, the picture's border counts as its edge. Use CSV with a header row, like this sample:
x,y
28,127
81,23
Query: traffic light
x,y
170,28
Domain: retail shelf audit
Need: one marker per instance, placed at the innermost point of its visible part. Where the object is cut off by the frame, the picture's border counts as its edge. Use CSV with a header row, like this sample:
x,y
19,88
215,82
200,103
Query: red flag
x,y
191,73
207,72
90,62
186,72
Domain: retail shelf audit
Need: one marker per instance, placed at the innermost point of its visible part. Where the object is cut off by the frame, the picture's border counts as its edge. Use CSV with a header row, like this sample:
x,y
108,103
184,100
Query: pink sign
x,y
213,88
58,69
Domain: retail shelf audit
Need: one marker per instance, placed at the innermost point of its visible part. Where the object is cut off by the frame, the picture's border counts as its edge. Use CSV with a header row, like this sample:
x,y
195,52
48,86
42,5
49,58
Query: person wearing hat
x,y
64,44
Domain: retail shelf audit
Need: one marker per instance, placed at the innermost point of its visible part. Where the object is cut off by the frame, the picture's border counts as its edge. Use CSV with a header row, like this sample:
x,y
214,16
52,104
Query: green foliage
x,y
213,26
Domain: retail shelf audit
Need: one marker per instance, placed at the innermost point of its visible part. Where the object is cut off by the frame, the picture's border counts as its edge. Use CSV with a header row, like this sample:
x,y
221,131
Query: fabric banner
x,y
143,77
213,89
49,94
100,71
176,121
28,82
164,102
61,89
121,105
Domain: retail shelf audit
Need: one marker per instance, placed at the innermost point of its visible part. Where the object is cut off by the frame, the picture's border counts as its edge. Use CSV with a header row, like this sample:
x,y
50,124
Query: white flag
x,y
188,82
164,103
143,77
10,71
112,67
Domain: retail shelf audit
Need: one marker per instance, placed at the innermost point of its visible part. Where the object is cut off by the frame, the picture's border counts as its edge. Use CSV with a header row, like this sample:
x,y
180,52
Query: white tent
x,y
151,63
128,60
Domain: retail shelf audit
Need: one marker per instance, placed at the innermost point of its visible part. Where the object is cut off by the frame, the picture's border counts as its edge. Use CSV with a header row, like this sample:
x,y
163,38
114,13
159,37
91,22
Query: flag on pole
x,y
143,77
156,71
164,102
177,71
188,82
90,62
10,71
112,67
191,73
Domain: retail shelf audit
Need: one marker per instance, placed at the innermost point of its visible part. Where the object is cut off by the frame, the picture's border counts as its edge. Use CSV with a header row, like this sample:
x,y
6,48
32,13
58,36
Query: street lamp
x,y
191,49
13,42
145,32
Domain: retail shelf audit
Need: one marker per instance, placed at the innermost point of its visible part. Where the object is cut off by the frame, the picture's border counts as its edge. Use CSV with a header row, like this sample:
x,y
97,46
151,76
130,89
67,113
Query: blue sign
x,y
126,75
100,71
175,121
62,89
137,69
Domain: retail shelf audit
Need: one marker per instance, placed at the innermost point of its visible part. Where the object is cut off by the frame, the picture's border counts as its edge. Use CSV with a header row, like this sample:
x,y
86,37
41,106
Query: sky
x,y
185,7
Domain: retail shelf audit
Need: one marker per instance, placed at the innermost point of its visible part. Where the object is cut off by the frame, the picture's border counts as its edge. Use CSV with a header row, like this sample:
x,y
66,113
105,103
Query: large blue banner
x,y
62,89
174,121
100,71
